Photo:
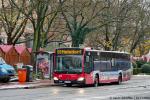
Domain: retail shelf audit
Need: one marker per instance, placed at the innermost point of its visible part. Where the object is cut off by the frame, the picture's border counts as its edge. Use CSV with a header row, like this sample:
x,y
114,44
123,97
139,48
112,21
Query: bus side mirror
x,y
87,59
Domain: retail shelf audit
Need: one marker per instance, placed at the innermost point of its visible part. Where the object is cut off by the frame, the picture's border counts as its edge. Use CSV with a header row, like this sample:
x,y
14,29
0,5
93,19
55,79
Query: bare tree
x,y
81,17
141,24
13,22
128,27
42,15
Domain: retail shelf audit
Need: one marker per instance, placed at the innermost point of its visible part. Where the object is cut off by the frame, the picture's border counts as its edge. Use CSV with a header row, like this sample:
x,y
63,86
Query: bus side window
x,y
108,64
124,66
128,64
96,65
103,66
117,65
114,66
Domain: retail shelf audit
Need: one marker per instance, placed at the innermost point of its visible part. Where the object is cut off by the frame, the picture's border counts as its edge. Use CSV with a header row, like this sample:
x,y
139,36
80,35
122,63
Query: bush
x,y
134,64
136,71
140,63
148,63
145,68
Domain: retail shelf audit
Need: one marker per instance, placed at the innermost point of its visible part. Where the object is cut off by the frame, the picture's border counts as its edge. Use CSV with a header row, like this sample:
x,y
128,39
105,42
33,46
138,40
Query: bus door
x,y
88,68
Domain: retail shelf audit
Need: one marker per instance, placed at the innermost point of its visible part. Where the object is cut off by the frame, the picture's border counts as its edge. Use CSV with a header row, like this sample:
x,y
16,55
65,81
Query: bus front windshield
x,y
69,64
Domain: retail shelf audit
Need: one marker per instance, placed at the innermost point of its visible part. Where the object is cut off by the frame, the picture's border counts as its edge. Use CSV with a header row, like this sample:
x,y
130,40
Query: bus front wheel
x,y
96,81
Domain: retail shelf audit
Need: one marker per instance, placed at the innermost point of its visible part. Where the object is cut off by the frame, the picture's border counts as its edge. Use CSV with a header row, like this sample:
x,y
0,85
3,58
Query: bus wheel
x,y
68,85
96,81
119,80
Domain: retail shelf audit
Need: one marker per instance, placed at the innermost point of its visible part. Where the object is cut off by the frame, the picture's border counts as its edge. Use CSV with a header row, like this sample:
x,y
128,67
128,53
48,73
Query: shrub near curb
x,y
136,71
140,63
145,68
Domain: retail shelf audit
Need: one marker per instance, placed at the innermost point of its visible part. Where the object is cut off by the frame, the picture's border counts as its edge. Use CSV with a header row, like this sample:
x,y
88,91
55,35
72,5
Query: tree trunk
x,y
35,48
75,42
9,40
107,44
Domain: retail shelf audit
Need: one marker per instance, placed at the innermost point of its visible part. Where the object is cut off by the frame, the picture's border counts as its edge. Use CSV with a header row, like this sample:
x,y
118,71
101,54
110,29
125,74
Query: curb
x,y
142,75
36,84
27,87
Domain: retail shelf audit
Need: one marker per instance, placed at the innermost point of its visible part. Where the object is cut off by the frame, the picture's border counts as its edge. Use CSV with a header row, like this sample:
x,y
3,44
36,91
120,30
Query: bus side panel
x,y
126,76
108,77
89,78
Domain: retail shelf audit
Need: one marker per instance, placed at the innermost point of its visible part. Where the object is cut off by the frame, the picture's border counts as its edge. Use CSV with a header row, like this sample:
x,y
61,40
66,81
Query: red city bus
x,y
88,66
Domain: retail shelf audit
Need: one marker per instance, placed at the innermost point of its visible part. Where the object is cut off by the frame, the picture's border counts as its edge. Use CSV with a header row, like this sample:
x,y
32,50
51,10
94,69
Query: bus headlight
x,y
81,79
55,78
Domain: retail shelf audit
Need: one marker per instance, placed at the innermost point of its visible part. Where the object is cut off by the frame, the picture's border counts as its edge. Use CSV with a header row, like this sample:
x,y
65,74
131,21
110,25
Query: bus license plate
x,y
67,81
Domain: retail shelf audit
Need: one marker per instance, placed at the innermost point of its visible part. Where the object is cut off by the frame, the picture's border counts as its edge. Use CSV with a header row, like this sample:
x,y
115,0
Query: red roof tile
x,y
20,49
6,48
30,50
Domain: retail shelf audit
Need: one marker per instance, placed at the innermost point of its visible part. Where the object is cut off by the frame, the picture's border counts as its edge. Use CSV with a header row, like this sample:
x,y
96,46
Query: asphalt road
x,y
136,89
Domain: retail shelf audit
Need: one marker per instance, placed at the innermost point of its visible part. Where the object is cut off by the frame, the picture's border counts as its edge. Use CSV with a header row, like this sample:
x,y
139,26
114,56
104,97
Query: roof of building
x,y
6,48
29,49
20,49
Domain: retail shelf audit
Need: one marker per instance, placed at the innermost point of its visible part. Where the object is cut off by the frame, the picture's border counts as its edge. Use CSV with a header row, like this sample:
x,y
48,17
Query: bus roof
x,y
91,49
110,51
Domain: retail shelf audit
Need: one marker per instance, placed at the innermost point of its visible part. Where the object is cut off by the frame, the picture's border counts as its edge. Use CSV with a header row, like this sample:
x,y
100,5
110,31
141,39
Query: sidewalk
x,y
26,85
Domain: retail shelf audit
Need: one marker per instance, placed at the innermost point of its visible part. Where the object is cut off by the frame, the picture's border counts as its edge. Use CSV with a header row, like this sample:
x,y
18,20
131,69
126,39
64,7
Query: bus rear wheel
x,y
119,80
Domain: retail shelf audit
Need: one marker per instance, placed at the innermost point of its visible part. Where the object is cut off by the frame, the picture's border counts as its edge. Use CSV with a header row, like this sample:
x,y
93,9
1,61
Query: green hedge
x,y
134,65
140,63
145,68
136,71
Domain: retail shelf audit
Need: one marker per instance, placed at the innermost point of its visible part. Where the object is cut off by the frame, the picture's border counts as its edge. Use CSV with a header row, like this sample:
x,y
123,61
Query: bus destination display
x,y
69,52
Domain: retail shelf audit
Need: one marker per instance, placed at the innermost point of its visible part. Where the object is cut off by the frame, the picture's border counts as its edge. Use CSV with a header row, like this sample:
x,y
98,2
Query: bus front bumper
x,y
69,82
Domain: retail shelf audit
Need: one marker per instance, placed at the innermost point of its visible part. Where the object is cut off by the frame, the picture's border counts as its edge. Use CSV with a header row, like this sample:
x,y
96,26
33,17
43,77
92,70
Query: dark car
x,y
4,77
6,71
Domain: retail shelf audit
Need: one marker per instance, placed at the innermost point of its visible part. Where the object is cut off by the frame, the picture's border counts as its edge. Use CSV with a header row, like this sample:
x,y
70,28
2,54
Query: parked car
x,y
4,77
6,71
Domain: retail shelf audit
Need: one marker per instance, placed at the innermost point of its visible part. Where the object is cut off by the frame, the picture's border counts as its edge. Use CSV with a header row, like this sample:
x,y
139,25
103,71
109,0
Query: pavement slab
x,y
26,85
